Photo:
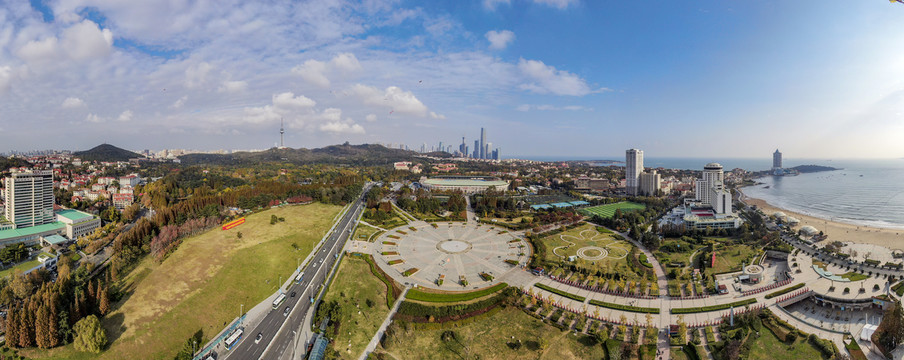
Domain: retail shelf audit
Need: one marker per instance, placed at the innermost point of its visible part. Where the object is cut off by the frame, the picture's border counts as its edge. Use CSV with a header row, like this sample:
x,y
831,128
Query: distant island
x,y
803,169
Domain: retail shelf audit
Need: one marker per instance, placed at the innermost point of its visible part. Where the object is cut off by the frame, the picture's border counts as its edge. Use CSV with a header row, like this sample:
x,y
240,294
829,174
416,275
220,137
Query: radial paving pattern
x,y
451,252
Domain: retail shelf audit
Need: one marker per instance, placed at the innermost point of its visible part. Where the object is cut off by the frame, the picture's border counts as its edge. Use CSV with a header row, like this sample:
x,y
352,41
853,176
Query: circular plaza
x,y
450,255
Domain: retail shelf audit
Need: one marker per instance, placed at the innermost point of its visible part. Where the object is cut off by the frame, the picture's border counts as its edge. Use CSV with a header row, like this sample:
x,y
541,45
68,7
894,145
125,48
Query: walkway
x,y
379,335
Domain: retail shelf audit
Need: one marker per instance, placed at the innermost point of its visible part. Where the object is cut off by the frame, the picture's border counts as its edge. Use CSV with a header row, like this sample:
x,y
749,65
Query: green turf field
x,y
608,210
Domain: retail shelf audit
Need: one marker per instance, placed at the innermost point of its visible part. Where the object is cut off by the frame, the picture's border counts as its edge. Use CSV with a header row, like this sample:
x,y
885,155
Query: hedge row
x,y
785,291
418,295
375,270
560,292
712,307
637,309
423,312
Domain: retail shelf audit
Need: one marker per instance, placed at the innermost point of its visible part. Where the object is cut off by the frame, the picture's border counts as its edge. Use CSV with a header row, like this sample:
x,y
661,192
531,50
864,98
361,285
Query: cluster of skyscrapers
x,y
638,181
481,150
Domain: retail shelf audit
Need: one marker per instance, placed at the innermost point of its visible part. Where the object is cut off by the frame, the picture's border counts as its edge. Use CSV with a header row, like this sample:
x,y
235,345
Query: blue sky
x,y
545,77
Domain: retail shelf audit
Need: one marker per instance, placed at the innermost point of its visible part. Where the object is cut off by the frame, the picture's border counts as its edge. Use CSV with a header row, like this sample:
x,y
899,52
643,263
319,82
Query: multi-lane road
x,y
277,330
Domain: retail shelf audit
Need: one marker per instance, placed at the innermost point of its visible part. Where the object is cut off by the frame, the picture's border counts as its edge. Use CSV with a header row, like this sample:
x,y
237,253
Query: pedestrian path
x,y
379,335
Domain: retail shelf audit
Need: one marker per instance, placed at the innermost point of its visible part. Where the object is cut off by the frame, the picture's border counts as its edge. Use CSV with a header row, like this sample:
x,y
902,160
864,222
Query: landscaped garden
x,y
593,248
732,257
365,232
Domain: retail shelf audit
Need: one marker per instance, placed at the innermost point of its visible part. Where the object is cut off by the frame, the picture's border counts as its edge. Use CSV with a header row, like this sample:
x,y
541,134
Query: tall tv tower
x,y
282,131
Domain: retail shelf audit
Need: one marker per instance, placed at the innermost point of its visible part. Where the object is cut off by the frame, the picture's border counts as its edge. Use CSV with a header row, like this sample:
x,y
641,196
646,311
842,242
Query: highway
x,y
276,338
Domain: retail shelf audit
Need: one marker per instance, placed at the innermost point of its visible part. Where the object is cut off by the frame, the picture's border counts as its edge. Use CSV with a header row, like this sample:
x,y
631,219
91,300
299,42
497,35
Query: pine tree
x,y
24,326
103,303
64,329
42,328
92,295
53,323
12,327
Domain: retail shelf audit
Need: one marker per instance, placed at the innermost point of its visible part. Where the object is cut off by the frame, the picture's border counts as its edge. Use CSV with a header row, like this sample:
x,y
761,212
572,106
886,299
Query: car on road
x,y
286,311
292,294
258,338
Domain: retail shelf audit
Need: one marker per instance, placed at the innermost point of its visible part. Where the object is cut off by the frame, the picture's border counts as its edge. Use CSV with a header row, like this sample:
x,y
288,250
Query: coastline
x,y
837,231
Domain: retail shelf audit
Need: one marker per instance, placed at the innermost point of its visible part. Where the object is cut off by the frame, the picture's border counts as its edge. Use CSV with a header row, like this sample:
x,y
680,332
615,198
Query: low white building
x,y
78,223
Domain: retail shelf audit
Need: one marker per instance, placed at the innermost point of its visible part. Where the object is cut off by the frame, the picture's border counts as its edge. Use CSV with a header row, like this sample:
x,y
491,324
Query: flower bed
x,y
389,243
512,262
486,277
396,261
409,272
560,292
415,294
712,307
401,232
389,253
393,237
785,291
637,309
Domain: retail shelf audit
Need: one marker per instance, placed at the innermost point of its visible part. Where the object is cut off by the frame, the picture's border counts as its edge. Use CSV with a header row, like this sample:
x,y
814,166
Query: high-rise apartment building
x,y
776,160
633,168
476,154
650,182
29,198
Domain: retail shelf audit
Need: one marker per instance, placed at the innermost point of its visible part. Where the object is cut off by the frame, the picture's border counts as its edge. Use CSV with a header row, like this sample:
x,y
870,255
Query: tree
x,y
103,301
43,337
89,335
892,328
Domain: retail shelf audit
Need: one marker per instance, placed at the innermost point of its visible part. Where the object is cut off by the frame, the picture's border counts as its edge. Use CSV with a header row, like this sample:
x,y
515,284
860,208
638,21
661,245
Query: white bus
x,y
298,278
233,339
279,300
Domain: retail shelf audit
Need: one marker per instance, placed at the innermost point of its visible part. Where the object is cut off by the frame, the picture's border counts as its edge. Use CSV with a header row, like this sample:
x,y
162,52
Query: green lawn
x,y
732,257
351,288
559,247
608,210
768,347
854,276
685,249
365,233
440,297
25,266
488,337
203,283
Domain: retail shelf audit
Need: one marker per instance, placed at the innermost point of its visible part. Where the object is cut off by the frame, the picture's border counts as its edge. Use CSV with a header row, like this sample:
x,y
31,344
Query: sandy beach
x,y
839,231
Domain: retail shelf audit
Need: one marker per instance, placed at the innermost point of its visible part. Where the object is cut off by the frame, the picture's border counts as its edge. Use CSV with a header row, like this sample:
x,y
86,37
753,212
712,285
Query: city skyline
x,y
85,73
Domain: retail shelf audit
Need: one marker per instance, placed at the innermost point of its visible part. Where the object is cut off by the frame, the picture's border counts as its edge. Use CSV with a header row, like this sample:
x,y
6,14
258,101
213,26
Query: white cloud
x,y
179,103
72,103
393,98
370,117
93,118
545,79
6,79
289,101
560,4
125,116
312,71
341,128
546,107
39,51
499,39
196,76
346,62
86,40
434,115
315,72
233,86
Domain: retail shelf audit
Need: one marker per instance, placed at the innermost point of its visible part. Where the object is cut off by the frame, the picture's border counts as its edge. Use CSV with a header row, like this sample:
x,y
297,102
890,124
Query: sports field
x,y
608,210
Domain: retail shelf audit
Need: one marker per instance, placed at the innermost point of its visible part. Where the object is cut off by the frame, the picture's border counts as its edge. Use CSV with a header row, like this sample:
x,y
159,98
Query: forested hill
x,y
813,168
106,152
6,163
366,154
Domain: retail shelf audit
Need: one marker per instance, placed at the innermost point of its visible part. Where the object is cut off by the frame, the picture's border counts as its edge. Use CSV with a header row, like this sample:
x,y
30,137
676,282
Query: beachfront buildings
x,y
28,196
711,208
633,168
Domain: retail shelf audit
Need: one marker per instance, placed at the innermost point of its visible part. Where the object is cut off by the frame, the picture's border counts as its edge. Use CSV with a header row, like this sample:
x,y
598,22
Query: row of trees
x,y
171,235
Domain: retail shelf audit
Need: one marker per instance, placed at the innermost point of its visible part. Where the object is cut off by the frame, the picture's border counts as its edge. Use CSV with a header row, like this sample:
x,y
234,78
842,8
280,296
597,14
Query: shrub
x,y
560,292
89,335
712,307
785,291
625,307
409,272
418,295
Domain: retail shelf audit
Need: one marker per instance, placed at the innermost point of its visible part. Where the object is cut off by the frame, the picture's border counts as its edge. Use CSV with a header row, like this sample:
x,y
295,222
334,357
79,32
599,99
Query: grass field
x,y
488,337
364,232
732,257
608,210
683,255
768,347
196,287
351,288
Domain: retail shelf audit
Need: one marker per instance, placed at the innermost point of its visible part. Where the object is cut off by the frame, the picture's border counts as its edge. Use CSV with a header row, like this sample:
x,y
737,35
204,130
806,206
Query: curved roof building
x,y
466,184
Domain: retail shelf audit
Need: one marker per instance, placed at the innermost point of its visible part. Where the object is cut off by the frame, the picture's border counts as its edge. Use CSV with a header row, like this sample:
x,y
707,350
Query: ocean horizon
x,y
697,163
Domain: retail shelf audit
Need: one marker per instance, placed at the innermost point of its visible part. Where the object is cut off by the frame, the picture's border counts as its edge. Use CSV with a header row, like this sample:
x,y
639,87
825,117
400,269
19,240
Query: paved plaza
x,y
450,255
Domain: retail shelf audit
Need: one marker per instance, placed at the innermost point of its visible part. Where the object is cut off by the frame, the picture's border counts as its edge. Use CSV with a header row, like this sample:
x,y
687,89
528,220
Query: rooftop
x,y
55,239
75,215
464,182
14,233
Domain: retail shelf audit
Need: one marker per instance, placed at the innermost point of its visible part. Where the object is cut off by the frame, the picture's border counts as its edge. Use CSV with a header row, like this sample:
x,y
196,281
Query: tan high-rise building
x,y
650,182
29,198
633,168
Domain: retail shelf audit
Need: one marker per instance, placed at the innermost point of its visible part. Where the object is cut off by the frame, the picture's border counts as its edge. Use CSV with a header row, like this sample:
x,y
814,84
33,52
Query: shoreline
x,y
890,238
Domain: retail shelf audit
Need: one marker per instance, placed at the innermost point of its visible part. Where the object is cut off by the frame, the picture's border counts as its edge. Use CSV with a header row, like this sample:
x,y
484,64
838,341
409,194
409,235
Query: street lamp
x,y
241,310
